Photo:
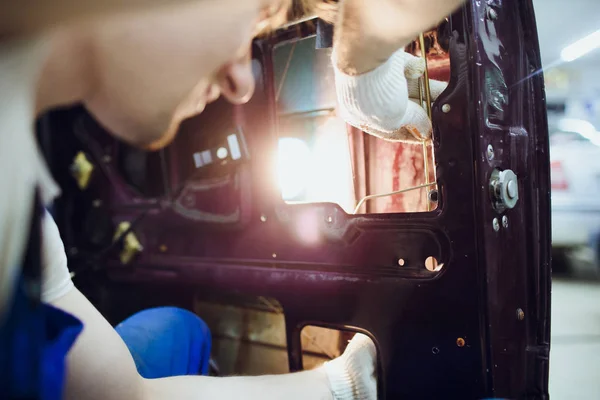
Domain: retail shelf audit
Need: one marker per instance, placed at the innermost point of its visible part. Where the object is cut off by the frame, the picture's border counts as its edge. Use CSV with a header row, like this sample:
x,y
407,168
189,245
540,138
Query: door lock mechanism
x,y
504,189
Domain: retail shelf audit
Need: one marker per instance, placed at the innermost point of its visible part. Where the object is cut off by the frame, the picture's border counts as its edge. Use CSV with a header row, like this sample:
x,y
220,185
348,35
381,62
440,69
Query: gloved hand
x,y
384,102
352,375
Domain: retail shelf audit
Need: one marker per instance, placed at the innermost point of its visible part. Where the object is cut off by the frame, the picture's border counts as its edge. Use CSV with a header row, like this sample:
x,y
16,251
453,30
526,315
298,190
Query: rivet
x,y
435,350
505,221
496,224
222,153
433,195
263,218
520,314
460,342
446,108
274,255
490,152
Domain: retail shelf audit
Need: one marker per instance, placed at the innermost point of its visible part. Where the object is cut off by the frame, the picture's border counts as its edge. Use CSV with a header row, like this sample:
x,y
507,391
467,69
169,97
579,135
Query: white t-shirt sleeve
x,y
22,167
56,280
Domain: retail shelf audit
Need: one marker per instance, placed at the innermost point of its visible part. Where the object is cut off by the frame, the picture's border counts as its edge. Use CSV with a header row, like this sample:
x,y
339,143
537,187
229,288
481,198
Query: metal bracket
x,y
504,189
131,244
81,170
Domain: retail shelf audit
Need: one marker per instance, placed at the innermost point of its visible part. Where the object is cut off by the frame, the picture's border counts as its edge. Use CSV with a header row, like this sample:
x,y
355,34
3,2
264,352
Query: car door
x,y
449,274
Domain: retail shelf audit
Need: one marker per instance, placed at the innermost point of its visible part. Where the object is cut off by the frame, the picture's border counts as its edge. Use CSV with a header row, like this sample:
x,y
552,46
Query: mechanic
x,y
140,68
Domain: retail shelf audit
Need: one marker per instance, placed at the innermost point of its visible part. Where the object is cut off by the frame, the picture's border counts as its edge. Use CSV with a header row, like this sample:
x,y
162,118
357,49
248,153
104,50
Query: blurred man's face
x,y
151,70
143,72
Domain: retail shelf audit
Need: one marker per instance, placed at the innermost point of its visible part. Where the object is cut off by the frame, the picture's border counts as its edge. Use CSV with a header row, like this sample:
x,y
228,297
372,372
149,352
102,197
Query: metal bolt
x,y
329,219
96,203
433,195
505,221
446,108
492,14
499,189
520,314
435,350
490,152
460,342
263,218
511,187
496,224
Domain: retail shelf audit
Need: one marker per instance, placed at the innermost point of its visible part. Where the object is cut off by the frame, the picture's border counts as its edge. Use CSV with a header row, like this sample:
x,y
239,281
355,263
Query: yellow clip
x,y
82,169
131,245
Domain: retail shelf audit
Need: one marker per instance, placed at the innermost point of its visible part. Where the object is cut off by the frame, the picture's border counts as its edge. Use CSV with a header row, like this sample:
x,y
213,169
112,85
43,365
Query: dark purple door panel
x,y
477,326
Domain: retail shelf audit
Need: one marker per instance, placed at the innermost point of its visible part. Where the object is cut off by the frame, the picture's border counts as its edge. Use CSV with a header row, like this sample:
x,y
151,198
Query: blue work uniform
x,y
35,338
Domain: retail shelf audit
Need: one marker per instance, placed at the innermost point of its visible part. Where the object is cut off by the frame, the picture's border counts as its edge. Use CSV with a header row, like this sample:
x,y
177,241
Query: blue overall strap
x,y
61,331
22,331
34,338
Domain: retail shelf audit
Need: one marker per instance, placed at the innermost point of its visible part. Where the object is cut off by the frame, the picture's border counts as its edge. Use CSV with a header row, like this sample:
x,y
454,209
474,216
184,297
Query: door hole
x,y
432,264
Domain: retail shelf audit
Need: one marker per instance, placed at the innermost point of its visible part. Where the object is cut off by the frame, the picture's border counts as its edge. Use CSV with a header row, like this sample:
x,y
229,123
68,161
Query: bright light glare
x,y
581,47
332,180
293,160
321,172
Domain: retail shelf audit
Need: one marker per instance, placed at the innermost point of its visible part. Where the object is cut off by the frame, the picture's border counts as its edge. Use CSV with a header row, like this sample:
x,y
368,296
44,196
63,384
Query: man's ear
x,y
236,81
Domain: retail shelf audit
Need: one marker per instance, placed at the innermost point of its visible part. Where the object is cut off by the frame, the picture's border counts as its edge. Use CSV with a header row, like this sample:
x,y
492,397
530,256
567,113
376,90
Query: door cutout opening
x,y
249,336
320,345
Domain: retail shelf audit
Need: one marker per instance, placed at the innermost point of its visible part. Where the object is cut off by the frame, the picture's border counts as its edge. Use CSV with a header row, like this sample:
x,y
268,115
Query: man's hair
x,y
290,10
325,9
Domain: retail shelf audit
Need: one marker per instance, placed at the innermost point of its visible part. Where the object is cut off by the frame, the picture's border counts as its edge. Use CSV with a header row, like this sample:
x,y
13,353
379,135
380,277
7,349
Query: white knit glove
x,y
352,375
377,101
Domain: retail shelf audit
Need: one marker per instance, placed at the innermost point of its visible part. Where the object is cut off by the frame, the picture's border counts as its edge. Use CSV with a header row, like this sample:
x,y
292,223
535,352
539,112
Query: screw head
x,y
505,221
520,314
274,255
263,218
460,342
496,224
490,152
446,108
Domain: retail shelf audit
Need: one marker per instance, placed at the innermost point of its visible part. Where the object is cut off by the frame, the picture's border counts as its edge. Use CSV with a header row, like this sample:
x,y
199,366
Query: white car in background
x,y
575,177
